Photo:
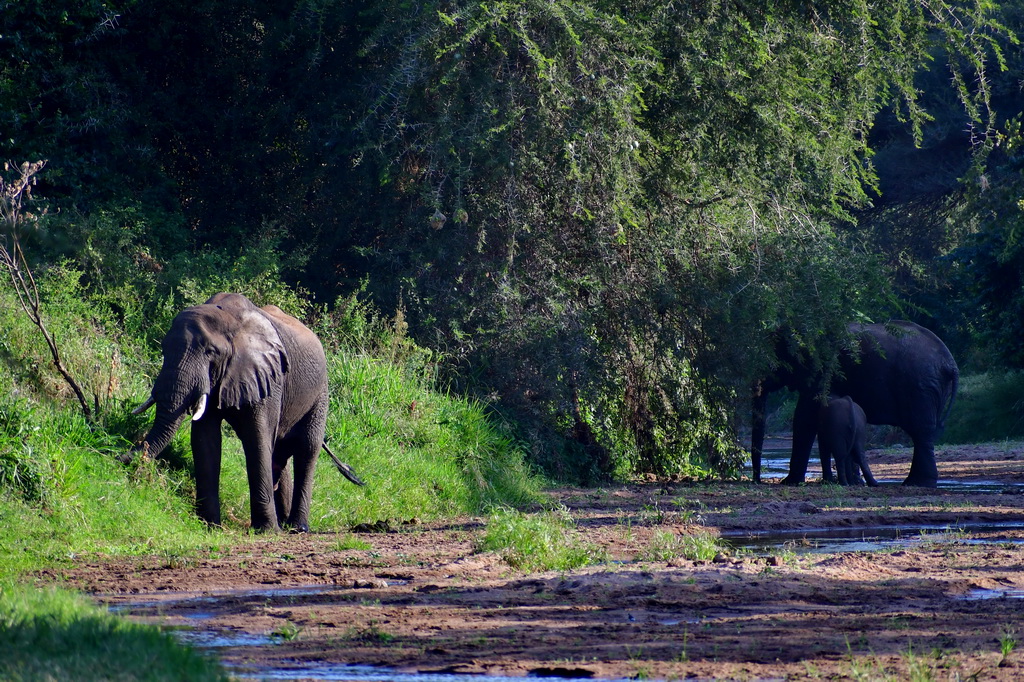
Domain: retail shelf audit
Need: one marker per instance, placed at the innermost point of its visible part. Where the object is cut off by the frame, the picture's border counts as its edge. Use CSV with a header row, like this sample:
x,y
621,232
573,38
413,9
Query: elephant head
x,y
220,355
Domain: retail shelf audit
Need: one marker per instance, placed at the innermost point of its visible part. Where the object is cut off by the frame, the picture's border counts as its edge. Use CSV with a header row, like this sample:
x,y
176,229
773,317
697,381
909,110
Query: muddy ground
x,y
424,599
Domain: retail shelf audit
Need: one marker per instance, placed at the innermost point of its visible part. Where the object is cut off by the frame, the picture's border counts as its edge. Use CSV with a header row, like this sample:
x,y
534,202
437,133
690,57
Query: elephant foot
x,y
792,480
266,528
921,482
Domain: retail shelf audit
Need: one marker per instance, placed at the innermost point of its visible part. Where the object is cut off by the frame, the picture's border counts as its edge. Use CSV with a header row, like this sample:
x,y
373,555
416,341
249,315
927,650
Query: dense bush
x,y
593,212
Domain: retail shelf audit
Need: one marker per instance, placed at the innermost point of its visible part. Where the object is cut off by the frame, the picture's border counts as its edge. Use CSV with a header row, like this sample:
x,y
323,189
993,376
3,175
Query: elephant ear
x,y
257,362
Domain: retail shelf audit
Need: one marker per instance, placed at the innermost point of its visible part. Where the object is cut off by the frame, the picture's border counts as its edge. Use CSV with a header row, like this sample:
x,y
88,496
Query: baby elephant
x,y
842,434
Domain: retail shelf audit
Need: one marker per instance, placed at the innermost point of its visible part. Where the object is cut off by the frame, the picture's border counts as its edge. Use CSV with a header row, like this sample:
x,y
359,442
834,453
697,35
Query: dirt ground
x,y
424,599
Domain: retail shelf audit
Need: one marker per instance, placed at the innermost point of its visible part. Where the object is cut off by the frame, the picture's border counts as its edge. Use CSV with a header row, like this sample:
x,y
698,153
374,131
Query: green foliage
x,y
54,635
538,542
665,546
989,407
626,246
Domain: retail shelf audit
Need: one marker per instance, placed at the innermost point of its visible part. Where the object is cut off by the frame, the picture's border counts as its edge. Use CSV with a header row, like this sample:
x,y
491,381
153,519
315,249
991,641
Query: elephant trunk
x,y
165,425
759,405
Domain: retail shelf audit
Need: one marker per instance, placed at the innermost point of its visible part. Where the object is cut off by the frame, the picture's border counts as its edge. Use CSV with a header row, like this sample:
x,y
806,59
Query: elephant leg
x,y
305,460
759,406
859,462
868,477
282,486
206,448
257,429
825,454
853,472
826,470
306,439
805,428
843,469
923,471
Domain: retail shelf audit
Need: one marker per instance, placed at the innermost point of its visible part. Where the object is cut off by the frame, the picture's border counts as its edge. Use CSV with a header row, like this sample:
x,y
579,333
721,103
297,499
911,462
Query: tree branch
x,y
13,195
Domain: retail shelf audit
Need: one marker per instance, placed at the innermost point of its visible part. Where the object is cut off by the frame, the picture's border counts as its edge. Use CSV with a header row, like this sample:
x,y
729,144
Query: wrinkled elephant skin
x,y
265,374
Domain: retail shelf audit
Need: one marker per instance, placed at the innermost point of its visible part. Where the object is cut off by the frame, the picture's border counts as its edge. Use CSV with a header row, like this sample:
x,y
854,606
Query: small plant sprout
x,y
1007,641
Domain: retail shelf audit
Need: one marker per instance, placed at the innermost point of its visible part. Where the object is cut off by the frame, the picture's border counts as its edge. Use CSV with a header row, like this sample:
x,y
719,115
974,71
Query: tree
x,y
15,192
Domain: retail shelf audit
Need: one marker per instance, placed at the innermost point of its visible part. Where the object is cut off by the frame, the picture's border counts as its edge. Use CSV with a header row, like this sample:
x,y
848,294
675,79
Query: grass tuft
x,y
539,542
666,545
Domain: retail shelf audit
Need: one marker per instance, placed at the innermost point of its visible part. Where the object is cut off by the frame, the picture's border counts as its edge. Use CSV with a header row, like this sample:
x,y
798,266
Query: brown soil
x,y
424,599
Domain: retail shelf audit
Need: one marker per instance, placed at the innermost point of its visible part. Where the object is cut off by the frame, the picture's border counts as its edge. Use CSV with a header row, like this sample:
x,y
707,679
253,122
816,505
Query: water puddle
x,y
195,608
217,639
336,673
992,487
981,593
775,464
873,539
189,601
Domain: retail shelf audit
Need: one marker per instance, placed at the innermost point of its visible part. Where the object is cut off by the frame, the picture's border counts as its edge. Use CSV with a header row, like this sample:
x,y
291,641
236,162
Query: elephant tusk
x,y
144,406
200,408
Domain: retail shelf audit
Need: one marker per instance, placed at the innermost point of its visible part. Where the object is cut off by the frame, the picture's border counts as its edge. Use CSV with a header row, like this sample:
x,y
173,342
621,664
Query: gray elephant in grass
x,y
842,434
265,374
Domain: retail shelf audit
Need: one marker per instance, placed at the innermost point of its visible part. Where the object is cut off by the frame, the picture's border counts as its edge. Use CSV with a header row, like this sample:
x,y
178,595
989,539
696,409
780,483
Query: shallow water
x,y
775,464
873,539
982,594
334,673
216,639
177,600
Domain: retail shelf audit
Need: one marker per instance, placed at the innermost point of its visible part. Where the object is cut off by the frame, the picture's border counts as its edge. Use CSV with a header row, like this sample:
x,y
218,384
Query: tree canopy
x,y
595,210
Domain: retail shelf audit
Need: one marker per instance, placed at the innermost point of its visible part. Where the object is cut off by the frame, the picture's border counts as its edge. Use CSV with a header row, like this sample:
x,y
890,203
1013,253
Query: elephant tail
x,y
949,397
345,469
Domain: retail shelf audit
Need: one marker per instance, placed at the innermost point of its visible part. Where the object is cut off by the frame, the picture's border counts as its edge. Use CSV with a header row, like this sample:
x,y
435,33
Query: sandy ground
x,y
424,599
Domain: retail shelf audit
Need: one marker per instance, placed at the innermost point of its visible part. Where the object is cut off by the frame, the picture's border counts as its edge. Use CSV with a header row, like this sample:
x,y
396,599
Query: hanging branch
x,y
13,195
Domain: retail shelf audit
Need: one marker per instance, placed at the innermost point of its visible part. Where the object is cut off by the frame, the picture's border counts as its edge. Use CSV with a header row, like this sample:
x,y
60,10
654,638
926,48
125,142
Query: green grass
x,y
422,452
538,542
54,635
349,541
65,496
666,545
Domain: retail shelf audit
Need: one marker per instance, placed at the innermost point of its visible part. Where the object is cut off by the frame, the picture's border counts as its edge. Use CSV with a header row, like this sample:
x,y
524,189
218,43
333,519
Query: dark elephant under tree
x,y
265,374
900,373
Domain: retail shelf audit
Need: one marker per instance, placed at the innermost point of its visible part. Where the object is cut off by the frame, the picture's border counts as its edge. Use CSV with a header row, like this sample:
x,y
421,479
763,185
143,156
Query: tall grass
x,y
54,635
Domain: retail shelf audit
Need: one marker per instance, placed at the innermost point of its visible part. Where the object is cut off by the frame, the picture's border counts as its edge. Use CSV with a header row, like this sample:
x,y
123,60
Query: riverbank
x,y
421,597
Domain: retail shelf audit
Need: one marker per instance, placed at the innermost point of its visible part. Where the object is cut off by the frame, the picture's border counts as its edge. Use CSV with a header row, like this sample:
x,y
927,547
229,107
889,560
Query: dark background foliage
x,y
595,211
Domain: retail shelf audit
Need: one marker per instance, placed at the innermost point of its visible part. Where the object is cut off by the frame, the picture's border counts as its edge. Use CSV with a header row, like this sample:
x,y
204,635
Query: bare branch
x,y
13,196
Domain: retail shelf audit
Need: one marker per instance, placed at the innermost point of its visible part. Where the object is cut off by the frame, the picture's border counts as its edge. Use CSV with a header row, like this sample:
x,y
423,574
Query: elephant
x,y
900,373
842,435
265,374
